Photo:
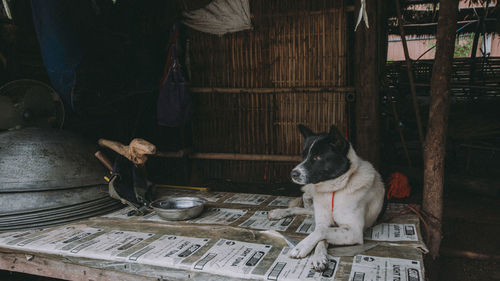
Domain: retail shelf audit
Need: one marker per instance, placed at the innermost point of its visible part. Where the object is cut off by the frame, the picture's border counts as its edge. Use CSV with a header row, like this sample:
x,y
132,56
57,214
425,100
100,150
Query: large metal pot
x,y
35,159
48,177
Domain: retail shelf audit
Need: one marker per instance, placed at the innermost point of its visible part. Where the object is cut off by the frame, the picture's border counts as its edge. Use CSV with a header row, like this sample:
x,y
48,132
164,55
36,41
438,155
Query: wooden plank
x,y
56,268
299,48
413,90
202,90
368,42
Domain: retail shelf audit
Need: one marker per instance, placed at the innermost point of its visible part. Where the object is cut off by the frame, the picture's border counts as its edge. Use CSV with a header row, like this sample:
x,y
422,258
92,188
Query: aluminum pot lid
x,y
46,159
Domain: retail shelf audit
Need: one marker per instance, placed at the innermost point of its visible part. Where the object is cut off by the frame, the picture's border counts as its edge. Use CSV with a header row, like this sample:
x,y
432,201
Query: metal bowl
x,y
178,208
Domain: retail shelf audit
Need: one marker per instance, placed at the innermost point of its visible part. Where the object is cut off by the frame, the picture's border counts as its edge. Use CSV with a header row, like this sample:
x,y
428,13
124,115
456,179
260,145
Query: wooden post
x,y
435,141
400,131
475,42
370,56
413,89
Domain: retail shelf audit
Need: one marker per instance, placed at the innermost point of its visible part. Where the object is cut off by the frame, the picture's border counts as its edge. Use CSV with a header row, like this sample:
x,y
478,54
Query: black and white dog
x,y
344,192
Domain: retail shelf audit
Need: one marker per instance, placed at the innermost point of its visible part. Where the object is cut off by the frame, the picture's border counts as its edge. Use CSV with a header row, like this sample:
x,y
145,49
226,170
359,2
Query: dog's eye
x,y
317,158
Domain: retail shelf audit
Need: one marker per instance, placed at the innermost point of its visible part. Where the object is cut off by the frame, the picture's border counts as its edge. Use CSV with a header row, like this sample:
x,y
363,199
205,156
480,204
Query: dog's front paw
x,y
300,251
319,262
276,214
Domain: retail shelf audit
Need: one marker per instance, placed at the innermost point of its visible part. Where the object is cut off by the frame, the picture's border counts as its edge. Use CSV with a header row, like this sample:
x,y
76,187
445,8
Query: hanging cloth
x,y
173,105
220,17
62,36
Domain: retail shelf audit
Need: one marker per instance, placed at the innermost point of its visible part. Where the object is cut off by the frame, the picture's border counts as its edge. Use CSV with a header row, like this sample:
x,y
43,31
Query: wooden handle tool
x,y
104,160
136,151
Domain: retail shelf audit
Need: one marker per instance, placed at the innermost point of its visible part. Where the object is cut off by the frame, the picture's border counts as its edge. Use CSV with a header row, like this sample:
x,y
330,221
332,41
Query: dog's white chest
x,y
323,214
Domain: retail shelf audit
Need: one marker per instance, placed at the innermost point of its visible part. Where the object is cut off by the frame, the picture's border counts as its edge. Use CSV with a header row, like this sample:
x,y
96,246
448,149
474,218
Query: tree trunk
x,y
435,142
369,63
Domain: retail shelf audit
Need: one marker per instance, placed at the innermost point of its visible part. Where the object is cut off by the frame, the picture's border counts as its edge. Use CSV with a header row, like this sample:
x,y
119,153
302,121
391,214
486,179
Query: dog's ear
x,y
338,140
306,132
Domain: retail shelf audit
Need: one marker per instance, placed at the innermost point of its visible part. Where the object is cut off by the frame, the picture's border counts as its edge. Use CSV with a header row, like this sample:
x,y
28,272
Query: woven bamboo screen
x,y
284,72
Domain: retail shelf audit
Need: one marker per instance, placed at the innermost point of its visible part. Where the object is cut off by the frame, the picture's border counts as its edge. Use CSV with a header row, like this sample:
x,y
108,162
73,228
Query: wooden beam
x,y
435,23
270,90
475,43
370,52
347,8
458,85
230,156
54,268
435,141
400,130
409,66
246,157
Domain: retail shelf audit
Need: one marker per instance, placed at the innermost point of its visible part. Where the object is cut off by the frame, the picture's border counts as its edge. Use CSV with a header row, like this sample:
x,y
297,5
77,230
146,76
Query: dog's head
x,y
324,156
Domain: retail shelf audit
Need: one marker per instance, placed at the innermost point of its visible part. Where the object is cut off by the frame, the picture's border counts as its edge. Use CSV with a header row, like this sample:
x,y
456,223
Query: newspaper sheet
x,y
110,245
212,196
247,199
168,250
12,238
82,241
286,268
392,232
124,213
259,220
232,258
281,201
60,239
307,225
370,268
221,216
209,196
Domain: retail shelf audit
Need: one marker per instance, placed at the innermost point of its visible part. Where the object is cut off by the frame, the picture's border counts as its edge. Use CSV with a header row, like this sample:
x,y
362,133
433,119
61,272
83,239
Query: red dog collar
x,y
333,198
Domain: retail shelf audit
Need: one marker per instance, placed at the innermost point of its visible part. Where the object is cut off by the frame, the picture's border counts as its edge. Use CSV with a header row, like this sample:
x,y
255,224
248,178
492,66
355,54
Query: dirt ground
x,y
471,223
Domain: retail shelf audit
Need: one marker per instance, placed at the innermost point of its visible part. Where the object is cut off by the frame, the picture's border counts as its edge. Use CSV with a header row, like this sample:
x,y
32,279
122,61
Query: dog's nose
x,y
295,174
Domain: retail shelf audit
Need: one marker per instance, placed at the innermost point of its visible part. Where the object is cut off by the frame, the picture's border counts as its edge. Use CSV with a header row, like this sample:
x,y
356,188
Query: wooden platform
x,y
243,212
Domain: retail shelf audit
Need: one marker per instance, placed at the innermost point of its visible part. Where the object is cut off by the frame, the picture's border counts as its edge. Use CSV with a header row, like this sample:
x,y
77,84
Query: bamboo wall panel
x,y
262,123
294,45
291,45
244,171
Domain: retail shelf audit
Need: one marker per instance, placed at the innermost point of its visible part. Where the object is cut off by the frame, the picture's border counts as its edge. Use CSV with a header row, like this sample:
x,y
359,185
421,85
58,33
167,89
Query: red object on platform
x,y
398,186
